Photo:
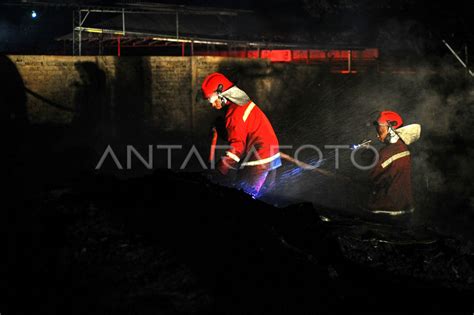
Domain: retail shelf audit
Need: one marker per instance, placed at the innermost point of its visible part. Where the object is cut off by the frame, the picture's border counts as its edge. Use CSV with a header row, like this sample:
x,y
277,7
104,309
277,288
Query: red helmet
x,y
390,118
212,82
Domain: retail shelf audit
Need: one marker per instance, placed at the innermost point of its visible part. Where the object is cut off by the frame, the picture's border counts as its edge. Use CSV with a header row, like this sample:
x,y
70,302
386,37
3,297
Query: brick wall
x,y
161,92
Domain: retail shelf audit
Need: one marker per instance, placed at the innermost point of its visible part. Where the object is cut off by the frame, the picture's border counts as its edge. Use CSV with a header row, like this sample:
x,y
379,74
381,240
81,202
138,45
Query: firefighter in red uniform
x,y
253,145
391,177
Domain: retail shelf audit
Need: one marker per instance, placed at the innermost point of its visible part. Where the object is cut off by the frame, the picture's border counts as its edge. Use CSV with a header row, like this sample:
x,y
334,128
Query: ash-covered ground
x,y
174,243
141,242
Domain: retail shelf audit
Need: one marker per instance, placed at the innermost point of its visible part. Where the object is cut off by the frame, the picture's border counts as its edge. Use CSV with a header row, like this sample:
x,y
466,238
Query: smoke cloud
x,y
308,105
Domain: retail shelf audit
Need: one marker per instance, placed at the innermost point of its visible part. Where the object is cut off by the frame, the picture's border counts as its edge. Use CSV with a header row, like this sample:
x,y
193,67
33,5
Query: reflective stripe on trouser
x,y
394,212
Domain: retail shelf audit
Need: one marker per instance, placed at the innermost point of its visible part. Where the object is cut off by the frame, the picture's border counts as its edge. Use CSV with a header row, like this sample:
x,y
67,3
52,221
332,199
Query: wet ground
x,y
81,241
174,243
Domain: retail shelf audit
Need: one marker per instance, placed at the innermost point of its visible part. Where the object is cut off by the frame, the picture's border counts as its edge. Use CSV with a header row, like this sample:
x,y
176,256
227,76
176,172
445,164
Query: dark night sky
x,y
365,20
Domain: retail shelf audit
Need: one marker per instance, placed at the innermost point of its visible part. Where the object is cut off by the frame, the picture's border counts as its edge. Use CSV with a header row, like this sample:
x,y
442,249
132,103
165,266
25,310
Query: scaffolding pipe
x,y
467,56
458,58
87,14
80,35
177,25
349,60
81,22
73,32
172,38
168,11
123,22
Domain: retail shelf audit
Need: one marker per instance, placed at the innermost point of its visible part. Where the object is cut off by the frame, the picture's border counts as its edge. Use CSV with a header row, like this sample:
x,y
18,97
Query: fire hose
x,y
288,158
311,168
212,152
284,156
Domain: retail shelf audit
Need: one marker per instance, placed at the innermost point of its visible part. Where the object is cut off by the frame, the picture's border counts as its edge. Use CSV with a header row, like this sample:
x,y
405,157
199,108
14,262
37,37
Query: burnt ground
x,y
174,243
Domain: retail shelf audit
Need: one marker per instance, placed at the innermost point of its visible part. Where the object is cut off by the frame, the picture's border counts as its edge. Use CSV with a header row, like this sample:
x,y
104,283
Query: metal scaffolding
x,y
81,13
180,26
80,17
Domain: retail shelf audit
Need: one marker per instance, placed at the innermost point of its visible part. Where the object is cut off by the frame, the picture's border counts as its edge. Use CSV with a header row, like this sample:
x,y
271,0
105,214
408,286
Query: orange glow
x,y
347,72
299,55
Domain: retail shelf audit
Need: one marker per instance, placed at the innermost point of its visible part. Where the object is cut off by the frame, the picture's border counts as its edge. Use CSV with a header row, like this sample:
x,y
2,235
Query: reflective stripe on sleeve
x,y
394,158
233,156
248,111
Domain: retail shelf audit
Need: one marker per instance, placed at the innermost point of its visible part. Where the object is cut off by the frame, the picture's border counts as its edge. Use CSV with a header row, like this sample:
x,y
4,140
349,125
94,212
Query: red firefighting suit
x,y
253,146
391,177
